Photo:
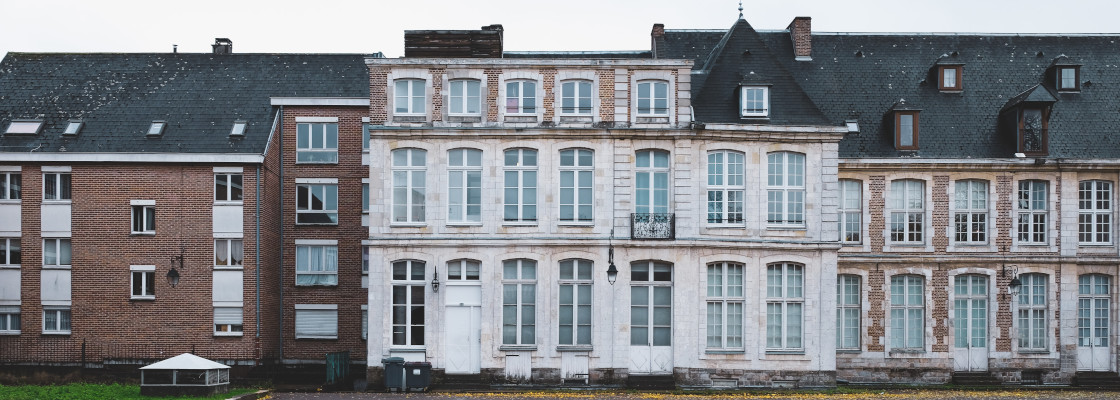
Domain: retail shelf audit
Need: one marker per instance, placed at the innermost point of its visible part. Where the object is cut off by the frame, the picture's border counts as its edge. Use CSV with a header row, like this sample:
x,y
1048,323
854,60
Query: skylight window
x,y
24,127
238,128
73,127
157,127
853,125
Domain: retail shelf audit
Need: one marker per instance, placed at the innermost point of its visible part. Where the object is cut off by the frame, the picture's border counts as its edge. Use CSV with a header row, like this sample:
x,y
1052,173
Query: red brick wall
x,y
348,295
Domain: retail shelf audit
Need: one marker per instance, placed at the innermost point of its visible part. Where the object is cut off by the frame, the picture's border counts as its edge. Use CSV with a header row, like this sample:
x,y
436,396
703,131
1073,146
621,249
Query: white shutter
x,y
9,310
317,324
55,286
227,315
229,288
9,286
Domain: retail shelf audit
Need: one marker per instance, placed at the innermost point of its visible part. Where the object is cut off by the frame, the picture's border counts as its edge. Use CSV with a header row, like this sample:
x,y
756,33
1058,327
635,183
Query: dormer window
x,y
156,128
238,128
906,130
754,101
950,77
73,127
1034,129
28,127
1027,117
1069,78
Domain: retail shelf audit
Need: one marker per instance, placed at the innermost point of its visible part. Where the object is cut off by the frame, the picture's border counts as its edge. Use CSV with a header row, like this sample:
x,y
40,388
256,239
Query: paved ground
x,y
578,395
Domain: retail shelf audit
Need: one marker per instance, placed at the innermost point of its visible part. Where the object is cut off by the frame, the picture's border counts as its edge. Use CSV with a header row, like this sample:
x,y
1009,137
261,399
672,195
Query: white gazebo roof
x,y
186,361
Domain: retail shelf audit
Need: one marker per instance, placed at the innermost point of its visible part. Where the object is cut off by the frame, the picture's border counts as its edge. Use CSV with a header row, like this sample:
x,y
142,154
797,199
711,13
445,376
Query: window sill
x,y
785,227
908,244
56,333
317,286
1094,245
740,351
755,118
907,352
951,90
142,234
308,224
520,118
56,201
519,223
970,244
10,266
229,203
408,349
786,352
463,224
1034,352
851,244
229,267
229,334
518,347
317,337
848,351
570,348
408,224
575,118
464,118
10,201
1032,244
56,267
576,224
9,333
143,298
317,162
410,118
717,225
653,119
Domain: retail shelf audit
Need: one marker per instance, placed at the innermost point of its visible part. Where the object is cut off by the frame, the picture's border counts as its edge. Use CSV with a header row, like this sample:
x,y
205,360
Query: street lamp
x,y
435,283
612,271
173,274
1015,284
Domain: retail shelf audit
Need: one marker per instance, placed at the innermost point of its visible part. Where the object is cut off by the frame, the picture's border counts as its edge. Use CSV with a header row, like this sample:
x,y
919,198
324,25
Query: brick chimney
x,y
222,46
482,43
801,33
656,35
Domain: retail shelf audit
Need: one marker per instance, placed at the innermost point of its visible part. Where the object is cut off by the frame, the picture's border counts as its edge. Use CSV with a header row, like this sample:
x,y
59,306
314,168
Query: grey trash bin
x,y
418,375
394,373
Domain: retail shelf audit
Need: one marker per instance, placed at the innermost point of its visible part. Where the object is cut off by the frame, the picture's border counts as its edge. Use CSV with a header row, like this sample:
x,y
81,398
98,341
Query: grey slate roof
x,y
200,96
863,75
740,57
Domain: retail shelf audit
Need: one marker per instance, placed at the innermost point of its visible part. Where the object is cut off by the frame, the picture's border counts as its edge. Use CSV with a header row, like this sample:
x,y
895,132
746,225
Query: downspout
x,y
280,311
258,248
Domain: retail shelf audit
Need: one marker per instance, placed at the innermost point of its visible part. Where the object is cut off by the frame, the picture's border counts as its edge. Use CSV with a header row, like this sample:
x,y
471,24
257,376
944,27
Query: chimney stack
x,y
483,43
801,33
222,46
658,31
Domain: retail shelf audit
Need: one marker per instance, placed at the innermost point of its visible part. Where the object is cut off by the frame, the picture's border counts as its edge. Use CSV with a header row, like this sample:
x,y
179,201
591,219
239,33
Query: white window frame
x,y
784,294
225,248
726,301
652,276
754,95
365,321
524,103
522,169
144,217
582,177
10,320
408,280
848,303
409,166
907,212
328,202
785,190
238,128
409,97
326,271
58,188
24,127
6,246
459,91
1072,83
1093,290
225,188
523,302
970,211
901,328
306,150
576,280
11,186
229,328
464,164
647,98
58,244
463,270
1094,212
1036,211
58,327
726,188
646,165
146,274
576,91
305,310
1033,314
850,211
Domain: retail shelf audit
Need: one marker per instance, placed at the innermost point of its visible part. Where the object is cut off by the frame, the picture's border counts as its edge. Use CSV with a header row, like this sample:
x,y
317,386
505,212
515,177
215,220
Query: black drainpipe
x,y
280,268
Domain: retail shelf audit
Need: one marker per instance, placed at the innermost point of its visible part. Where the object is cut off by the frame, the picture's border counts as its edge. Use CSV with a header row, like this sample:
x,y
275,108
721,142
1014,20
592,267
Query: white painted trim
x,y
9,168
141,267
229,170
55,168
592,60
229,235
365,120
57,303
317,180
320,101
365,307
316,242
195,158
365,180
238,304
317,119
316,306
142,202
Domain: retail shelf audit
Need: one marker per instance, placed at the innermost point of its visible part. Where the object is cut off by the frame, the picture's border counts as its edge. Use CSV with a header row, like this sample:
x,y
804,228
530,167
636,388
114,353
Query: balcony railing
x,y
649,226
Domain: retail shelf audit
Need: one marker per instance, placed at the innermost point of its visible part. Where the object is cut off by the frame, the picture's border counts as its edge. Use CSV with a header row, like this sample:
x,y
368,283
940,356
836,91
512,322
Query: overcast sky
x,y
325,26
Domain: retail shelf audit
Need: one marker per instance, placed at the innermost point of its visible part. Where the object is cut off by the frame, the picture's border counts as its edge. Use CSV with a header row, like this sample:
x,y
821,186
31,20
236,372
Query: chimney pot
x,y
222,46
658,30
801,33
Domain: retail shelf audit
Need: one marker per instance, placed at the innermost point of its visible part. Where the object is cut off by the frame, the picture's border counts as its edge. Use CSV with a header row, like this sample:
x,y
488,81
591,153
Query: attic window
x,y
755,101
950,77
30,127
853,125
906,130
157,128
238,128
73,127
1069,78
1033,127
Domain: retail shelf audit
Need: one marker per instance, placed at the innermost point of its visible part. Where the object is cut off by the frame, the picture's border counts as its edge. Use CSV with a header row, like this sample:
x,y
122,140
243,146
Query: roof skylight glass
x,y
156,128
72,128
26,127
238,128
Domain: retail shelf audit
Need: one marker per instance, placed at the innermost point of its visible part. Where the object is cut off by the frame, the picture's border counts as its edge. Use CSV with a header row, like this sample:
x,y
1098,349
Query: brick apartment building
x,y
734,207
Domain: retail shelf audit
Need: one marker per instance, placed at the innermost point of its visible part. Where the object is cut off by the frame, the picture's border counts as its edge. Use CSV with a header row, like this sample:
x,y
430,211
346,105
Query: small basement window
x,y
755,101
157,127
73,127
1069,78
950,77
30,127
906,130
238,128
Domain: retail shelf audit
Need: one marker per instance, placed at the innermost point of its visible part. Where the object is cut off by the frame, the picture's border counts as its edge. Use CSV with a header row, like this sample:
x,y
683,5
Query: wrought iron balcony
x,y
650,226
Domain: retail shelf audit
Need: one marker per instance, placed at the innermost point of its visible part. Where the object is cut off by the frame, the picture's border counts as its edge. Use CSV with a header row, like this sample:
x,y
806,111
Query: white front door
x,y
1093,323
463,329
651,318
970,323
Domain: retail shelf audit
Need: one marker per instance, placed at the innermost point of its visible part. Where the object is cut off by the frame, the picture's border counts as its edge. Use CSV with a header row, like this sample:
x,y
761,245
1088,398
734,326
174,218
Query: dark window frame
x,y
898,133
1076,78
941,77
